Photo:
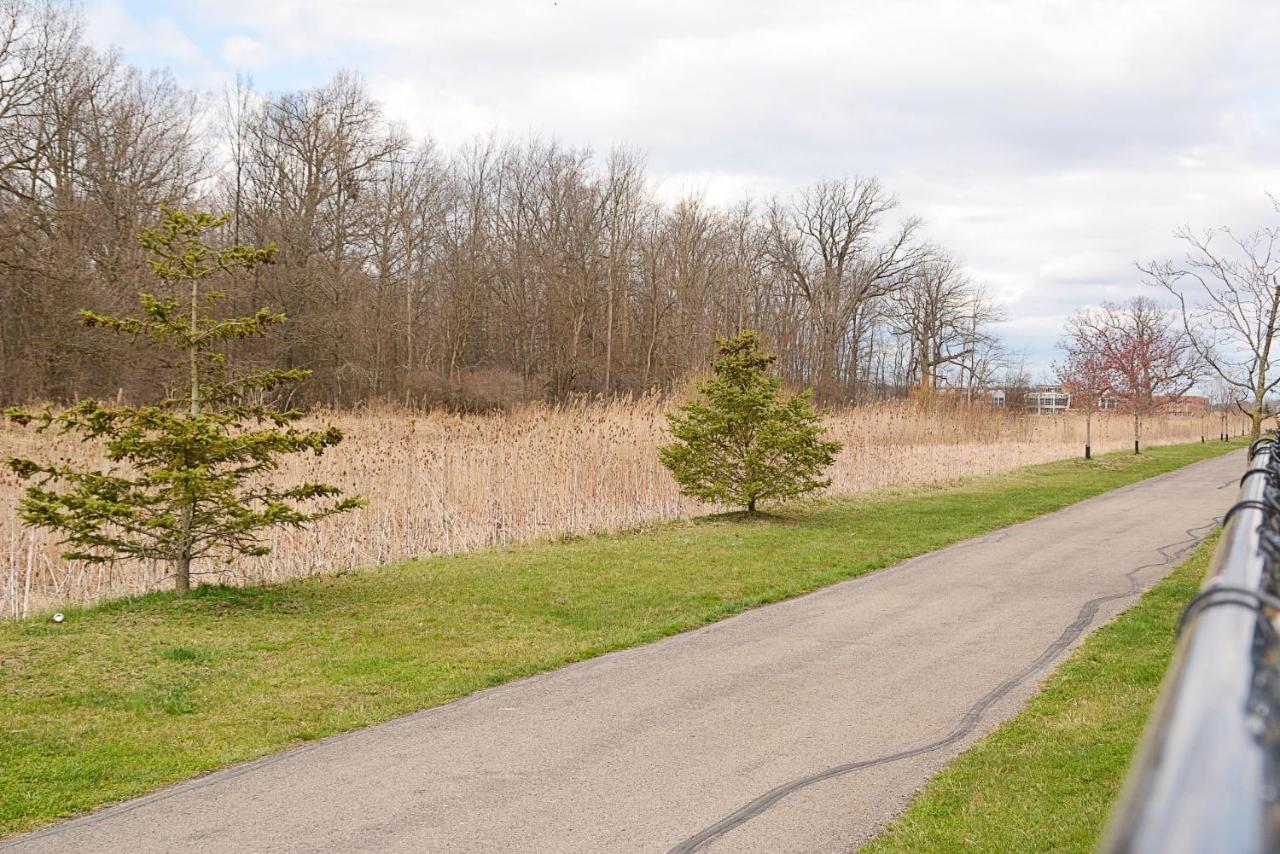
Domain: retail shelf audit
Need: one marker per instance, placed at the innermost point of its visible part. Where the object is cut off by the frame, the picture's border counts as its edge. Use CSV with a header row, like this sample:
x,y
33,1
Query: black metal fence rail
x,y
1206,779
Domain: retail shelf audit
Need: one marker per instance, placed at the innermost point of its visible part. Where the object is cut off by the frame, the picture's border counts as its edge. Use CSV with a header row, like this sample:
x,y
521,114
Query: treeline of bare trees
x,y
502,271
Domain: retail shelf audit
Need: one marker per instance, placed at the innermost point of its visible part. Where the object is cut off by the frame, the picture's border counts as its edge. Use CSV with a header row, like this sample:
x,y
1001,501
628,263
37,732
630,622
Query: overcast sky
x,y
1048,144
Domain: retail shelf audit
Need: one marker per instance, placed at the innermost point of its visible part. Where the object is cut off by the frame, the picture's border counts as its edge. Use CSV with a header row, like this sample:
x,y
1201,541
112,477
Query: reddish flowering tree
x,y
1139,355
1084,375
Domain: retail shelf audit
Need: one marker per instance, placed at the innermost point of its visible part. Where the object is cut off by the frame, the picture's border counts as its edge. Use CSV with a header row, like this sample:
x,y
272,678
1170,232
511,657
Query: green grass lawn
x,y
125,697
1046,779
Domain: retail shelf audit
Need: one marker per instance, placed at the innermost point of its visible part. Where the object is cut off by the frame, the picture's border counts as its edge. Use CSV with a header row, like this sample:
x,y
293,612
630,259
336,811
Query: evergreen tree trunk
x,y
182,561
182,564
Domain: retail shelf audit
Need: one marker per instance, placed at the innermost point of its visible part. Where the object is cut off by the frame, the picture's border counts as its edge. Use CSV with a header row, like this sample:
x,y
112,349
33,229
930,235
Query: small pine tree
x,y
744,442
189,475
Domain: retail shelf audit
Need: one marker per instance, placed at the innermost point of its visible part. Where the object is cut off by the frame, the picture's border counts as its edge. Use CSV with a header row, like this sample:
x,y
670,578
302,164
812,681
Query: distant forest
x,y
503,271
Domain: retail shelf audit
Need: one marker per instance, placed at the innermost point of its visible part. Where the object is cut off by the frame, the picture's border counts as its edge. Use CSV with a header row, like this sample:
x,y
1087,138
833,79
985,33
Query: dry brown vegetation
x,y
439,483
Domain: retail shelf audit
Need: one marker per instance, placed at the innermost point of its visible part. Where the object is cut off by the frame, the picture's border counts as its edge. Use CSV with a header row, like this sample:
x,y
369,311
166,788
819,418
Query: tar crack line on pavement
x,y
969,722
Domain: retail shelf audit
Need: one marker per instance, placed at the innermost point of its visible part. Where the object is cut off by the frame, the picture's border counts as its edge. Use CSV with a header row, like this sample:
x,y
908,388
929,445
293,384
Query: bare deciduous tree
x,y
828,247
1228,290
1146,361
946,320
1085,375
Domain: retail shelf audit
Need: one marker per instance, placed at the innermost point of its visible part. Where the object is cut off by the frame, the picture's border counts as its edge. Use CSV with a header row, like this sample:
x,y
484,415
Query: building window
x,y
1048,402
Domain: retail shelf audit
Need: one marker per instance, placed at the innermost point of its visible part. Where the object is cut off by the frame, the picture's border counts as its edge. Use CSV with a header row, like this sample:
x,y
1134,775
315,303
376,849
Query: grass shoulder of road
x,y
1045,779
123,698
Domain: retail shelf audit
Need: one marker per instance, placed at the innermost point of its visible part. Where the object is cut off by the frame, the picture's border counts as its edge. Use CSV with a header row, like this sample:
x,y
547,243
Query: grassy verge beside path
x,y
1046,779
125,697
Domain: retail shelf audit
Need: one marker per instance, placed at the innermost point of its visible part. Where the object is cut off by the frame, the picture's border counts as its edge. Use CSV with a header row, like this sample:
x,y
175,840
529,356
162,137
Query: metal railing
x,y
1206,776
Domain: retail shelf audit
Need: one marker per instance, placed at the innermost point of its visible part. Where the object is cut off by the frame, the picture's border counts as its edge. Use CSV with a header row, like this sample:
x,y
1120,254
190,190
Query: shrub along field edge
x,y
128,696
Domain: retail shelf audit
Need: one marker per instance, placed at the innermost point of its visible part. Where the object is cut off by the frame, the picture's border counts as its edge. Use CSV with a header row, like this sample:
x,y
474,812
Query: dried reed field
x,y
439,483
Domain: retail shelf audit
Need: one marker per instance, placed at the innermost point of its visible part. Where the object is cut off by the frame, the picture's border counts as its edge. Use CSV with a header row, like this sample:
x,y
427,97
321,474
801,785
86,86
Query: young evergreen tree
x,y
745,442
189,476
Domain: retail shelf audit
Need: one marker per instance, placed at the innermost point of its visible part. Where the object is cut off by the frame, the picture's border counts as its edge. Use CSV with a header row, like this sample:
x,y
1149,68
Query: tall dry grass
x,y
439,483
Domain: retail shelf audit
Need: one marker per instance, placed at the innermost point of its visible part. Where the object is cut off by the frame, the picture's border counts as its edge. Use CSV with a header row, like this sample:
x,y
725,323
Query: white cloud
x,y
149,41
244,52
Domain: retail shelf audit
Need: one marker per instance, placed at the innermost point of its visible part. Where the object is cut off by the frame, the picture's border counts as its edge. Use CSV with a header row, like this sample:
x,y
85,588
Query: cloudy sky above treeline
x,y
1048,144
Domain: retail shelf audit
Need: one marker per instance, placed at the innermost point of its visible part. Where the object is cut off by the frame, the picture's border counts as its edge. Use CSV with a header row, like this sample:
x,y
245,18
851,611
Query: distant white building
x,y
1056,400
1047,400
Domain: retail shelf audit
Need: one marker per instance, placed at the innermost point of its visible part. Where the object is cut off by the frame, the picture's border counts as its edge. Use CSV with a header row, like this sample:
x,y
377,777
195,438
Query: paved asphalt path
x,y
802,726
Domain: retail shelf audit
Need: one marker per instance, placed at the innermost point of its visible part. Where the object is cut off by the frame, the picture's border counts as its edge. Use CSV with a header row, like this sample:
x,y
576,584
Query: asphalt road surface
x,y
799,727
